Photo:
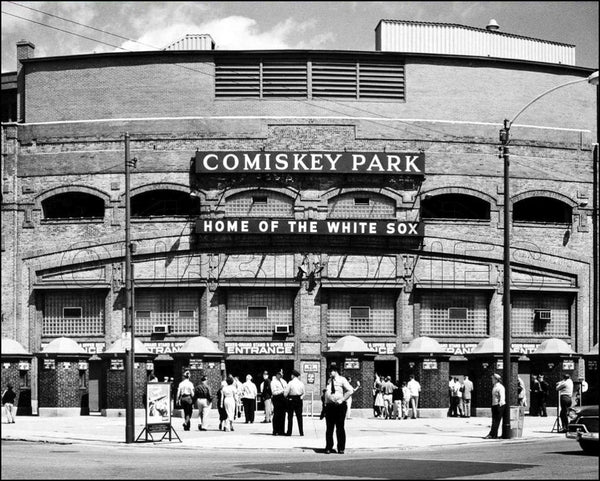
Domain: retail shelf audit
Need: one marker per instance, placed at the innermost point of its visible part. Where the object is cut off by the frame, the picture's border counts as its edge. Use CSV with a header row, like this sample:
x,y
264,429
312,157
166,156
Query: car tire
x,y
589,447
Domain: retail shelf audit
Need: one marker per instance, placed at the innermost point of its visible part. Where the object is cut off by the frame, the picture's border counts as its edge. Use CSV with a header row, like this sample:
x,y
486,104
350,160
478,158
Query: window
x,y
163,203
259,199
541,314
77,312
258,311
542,209
274,77
356,312
441,316
367,206
73,205
249,204
455,206
178,308
72,312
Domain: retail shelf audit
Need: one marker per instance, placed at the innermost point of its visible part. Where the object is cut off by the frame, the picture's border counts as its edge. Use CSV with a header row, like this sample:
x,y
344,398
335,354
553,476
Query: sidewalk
x,y
362,433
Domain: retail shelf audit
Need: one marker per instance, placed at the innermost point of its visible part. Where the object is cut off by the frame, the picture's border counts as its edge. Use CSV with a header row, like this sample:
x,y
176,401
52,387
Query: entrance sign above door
x,y
259,348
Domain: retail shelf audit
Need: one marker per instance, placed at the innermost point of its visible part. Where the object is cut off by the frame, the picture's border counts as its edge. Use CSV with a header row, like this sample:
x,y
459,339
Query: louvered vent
x,y
284,79
381,81
334,79
237,80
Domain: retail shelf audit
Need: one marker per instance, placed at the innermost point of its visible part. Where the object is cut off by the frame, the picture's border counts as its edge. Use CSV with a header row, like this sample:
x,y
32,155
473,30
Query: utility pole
x,y
129,325
506,339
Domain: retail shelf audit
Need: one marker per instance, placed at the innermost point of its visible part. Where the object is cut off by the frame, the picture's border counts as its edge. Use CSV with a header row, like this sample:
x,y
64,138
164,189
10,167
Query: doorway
x,y
255,368
386,368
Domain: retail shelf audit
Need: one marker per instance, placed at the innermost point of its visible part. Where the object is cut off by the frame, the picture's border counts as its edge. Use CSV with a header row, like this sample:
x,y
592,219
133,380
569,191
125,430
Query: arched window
x,y
542,209
455,206
258,203
163,202
73,205
366,205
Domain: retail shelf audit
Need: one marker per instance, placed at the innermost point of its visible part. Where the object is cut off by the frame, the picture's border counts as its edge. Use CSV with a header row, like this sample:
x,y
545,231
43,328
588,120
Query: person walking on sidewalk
x,y
266,394
203,399
248,396
338,391
294,393
467,395
498,406
229,401
414,388
185,393
278,385
565,391
221,406
8,402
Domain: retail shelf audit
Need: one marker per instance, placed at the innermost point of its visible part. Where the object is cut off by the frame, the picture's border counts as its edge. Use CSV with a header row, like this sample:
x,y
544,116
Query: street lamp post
x,y
129,326
506,344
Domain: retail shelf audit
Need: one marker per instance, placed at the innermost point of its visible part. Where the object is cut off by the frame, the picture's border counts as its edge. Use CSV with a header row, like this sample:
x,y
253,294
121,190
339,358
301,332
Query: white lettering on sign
x,y
407,163
259,348
163,347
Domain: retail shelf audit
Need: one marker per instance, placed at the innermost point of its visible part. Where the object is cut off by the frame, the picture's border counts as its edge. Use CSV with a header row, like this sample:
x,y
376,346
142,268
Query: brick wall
x,y
552,369
434,382
60,387
116,393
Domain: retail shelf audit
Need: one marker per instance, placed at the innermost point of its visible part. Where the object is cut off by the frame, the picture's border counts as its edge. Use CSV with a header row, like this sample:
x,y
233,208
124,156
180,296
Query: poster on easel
x,y
158,407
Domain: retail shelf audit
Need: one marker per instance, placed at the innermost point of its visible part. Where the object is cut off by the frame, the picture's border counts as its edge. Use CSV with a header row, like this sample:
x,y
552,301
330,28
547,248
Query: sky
x,y
277,25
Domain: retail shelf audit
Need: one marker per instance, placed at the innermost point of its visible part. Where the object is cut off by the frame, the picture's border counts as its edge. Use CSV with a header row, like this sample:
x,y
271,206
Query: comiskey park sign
x,y
402,163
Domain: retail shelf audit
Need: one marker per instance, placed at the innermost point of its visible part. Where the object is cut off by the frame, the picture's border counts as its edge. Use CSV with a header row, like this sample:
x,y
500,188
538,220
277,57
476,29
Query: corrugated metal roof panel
x,y
193,41
452,39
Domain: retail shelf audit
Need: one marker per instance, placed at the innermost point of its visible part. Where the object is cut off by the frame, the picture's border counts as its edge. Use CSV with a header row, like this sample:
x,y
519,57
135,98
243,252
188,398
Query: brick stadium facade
x,y
63,206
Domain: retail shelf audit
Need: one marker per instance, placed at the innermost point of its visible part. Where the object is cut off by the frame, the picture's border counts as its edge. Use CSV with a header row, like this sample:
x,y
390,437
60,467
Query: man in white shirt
x,y
565,391
294,392
248,395
414,388
498,406
278,386
338,390
185,393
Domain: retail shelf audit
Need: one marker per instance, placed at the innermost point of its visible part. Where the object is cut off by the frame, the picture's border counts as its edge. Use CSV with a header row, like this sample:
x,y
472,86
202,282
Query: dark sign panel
x,y
404,163
321,227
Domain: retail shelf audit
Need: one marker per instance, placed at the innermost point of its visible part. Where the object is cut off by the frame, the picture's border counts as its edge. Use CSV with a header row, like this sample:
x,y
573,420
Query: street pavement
x,y
363,433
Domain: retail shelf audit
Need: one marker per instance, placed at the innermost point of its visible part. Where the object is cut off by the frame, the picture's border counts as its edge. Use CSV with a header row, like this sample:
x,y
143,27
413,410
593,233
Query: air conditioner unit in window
x,y
282,329
161,329
543,314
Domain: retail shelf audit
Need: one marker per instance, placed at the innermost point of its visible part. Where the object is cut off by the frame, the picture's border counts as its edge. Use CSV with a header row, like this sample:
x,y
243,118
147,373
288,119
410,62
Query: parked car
x,y
583,426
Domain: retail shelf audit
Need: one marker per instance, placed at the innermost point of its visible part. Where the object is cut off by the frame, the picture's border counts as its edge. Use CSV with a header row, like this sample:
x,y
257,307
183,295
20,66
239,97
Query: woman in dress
x,y
220,408
228,401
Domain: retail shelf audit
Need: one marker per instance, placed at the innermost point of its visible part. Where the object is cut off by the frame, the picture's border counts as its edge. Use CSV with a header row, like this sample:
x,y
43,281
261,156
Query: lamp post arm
x,y
546,93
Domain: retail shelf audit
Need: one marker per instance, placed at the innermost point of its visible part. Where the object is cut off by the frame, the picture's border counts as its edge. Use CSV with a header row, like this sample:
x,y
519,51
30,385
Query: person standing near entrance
x,y
543,395
229,401
414,388
294,392
498,406
565,392
278,385
185,393
203,399
249,399
266,394
467,395
8,401
337,392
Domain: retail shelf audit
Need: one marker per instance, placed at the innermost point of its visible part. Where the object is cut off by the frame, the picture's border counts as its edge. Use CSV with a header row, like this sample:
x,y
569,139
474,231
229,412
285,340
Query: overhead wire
x,y
304,101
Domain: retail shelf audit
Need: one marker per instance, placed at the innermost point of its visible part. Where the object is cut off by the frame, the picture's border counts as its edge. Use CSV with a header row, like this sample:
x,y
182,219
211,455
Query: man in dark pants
x,y
294,392
542,396
565,391
278,386
498,406
337,392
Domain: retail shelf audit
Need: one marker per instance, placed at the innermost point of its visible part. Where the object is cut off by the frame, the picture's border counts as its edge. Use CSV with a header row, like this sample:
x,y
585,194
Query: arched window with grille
x,y
362,205
73,205
455,206
164,202
543,210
